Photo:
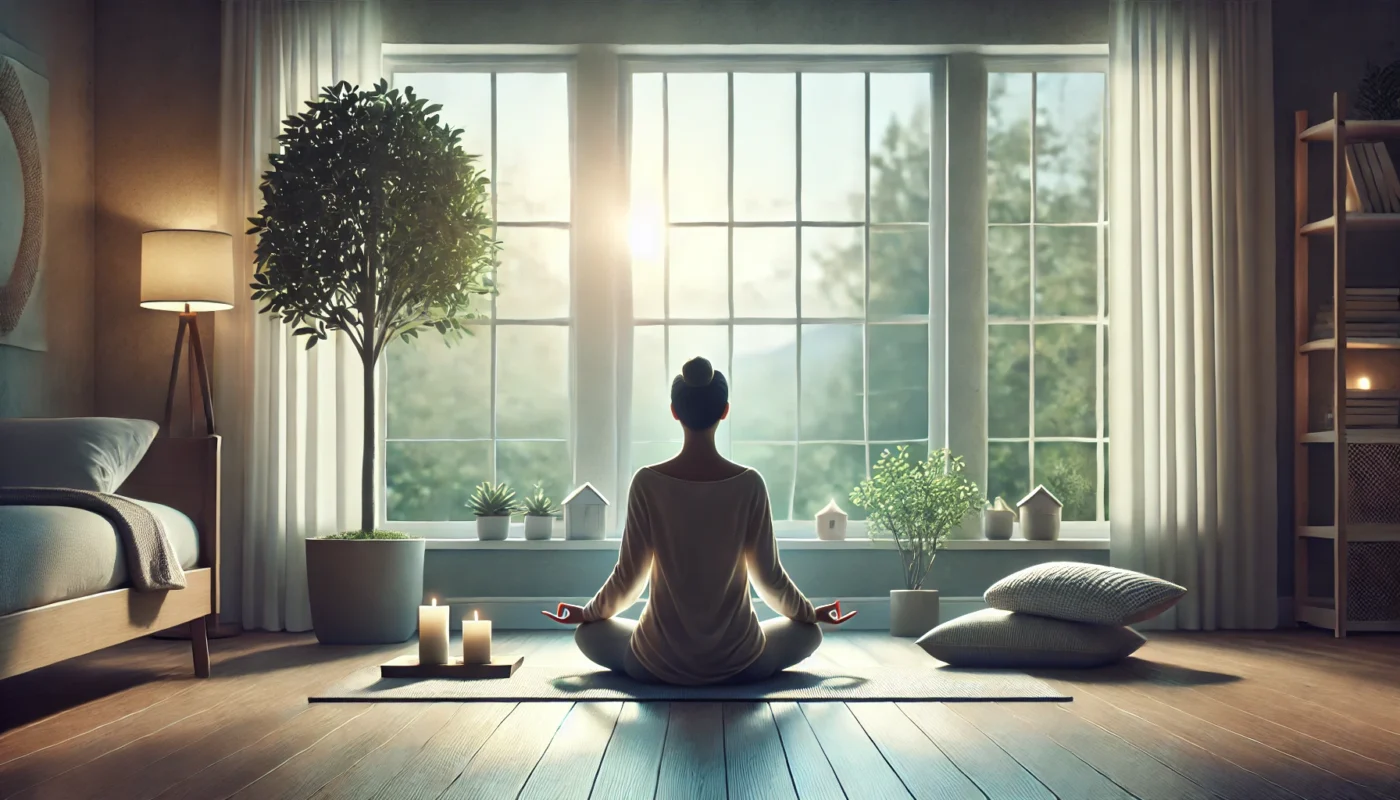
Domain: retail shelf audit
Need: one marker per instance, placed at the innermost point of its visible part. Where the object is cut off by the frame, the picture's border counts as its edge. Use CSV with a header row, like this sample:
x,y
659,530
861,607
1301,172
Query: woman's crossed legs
x,y
608,643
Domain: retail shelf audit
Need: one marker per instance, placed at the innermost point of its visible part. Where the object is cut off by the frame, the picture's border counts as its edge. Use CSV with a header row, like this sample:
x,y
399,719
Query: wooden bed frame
x,y
182,473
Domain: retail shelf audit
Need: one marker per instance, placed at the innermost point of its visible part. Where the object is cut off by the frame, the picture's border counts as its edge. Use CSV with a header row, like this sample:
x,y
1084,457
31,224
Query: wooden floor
x,y
1283,715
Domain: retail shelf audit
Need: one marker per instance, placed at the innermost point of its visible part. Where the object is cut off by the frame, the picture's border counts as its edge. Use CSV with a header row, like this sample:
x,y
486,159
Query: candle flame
x,y
476,616
434,601
1363,383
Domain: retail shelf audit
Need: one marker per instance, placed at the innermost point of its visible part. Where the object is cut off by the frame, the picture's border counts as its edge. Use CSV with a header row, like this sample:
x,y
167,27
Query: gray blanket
x,y
151,561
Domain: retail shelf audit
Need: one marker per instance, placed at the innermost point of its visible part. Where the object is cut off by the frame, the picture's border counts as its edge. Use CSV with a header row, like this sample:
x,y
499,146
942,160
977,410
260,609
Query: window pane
x,y
532,147
1064,380
698,110
1008,381
765,146
1008,471
1066,271
828,472
899,143
763,388
1070,471
1008,147
647,231
522,464
899,282
432,481
833,272
534,273
699,272
833,147
1069,125
651,386
1009,271
644,454
465,98
439,391
832,383
532,393
765,272
775,463
899,361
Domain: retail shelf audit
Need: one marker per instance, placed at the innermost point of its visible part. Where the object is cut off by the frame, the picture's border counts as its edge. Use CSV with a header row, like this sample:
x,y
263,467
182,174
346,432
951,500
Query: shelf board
x,y
1317,612
1358,130
1355,533
1355,436
1356,221
1353,343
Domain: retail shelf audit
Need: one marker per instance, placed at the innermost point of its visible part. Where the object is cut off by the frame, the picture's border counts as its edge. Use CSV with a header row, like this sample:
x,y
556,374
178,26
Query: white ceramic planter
x,y
539,528
998,524
364,592
913,612
492,529
1040,526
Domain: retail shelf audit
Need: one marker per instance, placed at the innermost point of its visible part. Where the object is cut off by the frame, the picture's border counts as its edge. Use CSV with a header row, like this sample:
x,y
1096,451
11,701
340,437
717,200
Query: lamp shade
x,y
186,268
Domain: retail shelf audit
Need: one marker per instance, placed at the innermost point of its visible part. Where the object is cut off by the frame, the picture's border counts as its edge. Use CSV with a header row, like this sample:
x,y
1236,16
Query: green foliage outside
x,y
916,503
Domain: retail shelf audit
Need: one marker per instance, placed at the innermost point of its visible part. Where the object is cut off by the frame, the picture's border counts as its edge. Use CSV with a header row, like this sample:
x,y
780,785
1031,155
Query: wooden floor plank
x,y
571,762
856,760
1055,767
378,768
692,762
633,757
503,765
812,774
427,773
978,757
753,754
924,769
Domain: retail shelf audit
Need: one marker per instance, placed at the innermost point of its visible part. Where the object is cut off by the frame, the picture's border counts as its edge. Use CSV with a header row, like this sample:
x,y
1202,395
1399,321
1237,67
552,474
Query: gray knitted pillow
x,y
1084,593
1001,639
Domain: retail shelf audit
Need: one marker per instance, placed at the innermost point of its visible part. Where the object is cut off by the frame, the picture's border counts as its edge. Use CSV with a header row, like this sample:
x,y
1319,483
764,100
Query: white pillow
x,y
993,638
1084,593
92,453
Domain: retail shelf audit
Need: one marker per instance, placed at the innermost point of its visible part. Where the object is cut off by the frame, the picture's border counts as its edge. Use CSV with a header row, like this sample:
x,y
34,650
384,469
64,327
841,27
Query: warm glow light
x,y
644,232
476,616
1363,383
434,601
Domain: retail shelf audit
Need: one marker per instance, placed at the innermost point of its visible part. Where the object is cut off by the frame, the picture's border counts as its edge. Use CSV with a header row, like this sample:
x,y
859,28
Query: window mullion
x,y
797,287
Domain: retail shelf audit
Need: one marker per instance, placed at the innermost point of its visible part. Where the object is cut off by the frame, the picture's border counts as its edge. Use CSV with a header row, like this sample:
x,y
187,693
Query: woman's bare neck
x,y
698,460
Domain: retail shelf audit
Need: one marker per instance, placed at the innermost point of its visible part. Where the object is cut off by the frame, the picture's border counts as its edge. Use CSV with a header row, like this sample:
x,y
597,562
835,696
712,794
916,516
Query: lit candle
x,y
1363,383
432,633
476,640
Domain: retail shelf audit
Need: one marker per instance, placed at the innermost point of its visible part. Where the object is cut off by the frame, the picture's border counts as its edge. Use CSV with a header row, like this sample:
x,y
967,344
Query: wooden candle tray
x,y
408,667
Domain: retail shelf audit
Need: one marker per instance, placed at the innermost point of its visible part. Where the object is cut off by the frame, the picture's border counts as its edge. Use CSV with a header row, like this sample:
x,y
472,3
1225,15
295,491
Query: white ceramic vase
x,y
539,528
998,524
492,529
913,612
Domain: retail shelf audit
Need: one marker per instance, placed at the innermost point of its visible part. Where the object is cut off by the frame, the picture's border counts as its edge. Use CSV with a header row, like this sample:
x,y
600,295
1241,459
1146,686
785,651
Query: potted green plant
x,y
373,228
915,503
540,512
493,503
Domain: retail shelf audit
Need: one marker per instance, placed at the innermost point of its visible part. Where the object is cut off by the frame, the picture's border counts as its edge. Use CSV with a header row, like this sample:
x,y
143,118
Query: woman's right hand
x,y
568,614
831,613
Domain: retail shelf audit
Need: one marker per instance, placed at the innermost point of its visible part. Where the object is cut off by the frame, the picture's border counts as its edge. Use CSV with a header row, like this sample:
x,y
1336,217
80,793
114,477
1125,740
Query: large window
x,y
1046,355
495,405
780,227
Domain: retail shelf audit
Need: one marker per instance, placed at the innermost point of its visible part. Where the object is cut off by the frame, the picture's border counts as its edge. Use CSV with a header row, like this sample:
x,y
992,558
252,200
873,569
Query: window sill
x,y
783,544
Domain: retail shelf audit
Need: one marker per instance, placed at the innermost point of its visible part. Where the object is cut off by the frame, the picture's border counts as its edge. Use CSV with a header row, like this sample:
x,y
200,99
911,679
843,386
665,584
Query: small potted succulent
x,y
540,512
493,503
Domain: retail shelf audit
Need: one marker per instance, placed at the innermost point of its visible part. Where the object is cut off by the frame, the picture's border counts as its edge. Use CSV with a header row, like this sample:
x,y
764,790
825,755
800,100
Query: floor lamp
x,y
188,272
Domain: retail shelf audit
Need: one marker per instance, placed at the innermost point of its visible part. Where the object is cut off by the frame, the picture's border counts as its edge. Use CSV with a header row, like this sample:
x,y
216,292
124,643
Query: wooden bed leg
x,y
199,643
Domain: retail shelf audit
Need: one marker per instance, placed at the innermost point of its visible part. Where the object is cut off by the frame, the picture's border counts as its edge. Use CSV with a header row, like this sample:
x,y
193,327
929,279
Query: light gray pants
x,y
608,643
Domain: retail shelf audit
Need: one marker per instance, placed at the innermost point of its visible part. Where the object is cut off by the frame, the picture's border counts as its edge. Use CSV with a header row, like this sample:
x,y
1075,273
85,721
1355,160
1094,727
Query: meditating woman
x,y
701,529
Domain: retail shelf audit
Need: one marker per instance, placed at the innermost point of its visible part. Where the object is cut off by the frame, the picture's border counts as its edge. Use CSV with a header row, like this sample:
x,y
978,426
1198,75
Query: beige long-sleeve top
x,y
701,544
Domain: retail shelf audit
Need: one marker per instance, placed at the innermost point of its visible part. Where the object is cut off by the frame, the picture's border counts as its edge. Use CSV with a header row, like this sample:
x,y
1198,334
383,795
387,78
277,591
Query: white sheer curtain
x,y
1192,402
292,418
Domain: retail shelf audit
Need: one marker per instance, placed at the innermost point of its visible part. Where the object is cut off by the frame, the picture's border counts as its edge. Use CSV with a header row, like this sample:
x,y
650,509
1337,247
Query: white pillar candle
x,y
476,640
433,623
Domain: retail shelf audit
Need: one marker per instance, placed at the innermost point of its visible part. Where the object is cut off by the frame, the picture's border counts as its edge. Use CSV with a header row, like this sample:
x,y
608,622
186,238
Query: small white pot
x,y
492,529
539,528
913,612
998,524
1040,526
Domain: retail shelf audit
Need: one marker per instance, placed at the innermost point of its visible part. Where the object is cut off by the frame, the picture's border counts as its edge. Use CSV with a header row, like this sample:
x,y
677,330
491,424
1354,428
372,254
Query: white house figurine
x,y
831,523
1040,515
584,512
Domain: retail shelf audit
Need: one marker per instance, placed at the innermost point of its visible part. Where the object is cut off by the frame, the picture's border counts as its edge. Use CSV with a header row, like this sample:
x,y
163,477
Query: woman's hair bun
x,y
698,372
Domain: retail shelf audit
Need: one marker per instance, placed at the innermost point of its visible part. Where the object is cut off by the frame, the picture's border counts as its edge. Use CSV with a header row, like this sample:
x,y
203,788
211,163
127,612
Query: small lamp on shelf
x,y
188,271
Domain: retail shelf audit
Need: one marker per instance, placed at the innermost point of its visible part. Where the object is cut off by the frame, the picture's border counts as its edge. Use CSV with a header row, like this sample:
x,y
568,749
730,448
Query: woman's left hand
x,y
568,614
831,613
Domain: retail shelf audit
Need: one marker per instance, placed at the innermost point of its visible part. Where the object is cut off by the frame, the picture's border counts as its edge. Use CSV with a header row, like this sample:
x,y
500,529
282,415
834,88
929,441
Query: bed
x,y
63,587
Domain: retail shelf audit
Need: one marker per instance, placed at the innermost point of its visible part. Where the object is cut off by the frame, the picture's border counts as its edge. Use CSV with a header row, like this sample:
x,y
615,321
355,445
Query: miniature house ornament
x,y
584,512
1040,515
831,523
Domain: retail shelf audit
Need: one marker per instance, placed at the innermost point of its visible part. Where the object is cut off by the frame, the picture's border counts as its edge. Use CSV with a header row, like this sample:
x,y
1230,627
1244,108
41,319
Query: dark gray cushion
x,y
994,638
1084,593
95,454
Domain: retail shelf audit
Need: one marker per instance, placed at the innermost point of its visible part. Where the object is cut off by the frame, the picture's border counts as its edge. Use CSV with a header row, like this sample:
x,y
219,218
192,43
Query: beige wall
x,y
59,382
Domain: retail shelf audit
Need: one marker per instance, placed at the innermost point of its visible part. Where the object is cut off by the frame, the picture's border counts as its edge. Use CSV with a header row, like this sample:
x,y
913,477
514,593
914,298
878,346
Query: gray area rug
x,y
557,683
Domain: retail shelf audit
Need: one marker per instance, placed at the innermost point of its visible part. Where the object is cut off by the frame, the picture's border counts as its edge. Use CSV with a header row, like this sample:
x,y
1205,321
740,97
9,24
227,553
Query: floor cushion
x,y
996,638
1078,592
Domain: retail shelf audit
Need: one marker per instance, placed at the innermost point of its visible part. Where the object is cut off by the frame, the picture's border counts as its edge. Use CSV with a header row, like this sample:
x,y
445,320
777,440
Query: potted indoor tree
x,y
493,503
540,512
915,503
374,228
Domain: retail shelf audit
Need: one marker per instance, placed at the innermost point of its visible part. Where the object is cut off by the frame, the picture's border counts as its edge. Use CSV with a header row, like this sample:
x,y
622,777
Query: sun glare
x,y
644,232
